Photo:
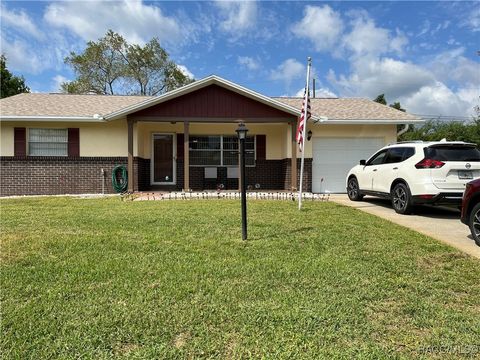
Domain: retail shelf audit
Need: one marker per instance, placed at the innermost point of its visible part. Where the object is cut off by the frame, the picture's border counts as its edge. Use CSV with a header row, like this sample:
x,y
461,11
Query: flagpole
x,y
305,101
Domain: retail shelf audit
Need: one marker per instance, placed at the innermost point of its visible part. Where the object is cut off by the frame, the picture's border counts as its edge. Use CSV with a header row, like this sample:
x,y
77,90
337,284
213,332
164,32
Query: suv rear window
x,y
452,153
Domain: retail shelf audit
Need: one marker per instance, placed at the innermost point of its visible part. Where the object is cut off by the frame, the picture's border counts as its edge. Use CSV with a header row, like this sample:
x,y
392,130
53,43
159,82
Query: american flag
x,y
302,120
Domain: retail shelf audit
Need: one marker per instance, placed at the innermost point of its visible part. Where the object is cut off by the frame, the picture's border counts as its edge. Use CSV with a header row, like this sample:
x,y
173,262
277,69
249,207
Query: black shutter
x,y
180,147
20,142
73,142
261,147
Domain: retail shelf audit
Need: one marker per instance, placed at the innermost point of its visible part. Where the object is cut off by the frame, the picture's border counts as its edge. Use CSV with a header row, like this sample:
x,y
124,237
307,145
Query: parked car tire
x,y
474,223
402,199
353,190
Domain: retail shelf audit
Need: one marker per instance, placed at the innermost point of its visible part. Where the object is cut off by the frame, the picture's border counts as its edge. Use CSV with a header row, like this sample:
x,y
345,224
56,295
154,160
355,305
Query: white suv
x,y
411,173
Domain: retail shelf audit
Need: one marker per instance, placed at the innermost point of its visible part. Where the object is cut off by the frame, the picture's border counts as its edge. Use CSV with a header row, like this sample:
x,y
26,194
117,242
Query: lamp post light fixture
x,y
242,134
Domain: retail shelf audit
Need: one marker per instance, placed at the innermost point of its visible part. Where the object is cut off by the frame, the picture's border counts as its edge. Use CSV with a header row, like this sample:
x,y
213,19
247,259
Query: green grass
x,y
103,278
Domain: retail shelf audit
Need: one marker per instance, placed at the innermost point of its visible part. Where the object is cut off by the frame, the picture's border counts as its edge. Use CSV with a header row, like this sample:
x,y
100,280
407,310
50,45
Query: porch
x,y
185,156
187,140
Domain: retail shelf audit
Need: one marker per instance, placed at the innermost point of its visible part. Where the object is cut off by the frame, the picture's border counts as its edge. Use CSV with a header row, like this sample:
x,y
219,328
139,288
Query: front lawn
x,y
102,278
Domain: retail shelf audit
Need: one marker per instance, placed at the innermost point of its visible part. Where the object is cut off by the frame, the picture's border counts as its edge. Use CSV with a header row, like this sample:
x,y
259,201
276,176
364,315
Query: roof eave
x,y
210,80
369,121
34,118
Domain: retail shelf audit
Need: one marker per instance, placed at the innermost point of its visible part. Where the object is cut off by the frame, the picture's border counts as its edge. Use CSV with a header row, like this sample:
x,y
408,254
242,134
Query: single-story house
x,y
184,139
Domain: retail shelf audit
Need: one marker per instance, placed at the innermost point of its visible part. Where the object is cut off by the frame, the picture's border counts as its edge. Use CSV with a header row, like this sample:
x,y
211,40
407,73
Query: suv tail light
x,y
429,164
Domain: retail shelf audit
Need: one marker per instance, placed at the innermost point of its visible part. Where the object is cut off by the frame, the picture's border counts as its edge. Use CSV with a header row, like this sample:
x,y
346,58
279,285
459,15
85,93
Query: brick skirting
x,y
38,175
82,175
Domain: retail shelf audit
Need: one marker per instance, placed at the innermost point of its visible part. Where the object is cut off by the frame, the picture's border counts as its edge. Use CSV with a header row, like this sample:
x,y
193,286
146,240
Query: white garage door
x,y
334,157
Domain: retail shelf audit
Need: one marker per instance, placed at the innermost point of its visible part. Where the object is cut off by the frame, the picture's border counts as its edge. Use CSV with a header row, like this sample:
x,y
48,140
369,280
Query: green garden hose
x,y
120,185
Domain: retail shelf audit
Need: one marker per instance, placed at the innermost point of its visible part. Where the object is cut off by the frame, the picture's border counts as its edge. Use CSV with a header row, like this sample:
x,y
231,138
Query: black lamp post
x,y
242,134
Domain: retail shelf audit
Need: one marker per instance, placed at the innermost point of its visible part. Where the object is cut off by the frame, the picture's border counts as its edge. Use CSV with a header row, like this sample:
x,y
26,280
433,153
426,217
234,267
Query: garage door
x,y
334,157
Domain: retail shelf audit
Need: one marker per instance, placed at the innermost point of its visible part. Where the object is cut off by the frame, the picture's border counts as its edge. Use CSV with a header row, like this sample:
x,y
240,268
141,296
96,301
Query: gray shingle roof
x,y
349,109
38,104
66,105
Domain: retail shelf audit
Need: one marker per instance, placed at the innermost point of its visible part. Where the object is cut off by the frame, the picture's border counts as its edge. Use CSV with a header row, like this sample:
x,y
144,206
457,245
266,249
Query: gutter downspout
x,y
403,131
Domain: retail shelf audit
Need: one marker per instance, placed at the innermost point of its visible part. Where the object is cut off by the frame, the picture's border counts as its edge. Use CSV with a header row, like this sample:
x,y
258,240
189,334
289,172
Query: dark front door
x,y
163,171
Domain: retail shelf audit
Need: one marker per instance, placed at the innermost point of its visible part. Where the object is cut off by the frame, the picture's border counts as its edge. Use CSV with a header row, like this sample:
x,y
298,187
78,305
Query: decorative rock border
x,y
229,195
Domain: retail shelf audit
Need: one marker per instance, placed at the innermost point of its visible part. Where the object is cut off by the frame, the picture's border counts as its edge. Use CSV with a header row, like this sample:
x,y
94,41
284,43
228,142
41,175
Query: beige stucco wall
x,y
96,139
6,139
387,132
276,133
110,138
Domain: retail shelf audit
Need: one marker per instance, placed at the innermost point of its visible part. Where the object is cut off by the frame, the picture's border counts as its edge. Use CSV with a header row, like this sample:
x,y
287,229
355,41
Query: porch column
x,y
186,156
130,156
294,157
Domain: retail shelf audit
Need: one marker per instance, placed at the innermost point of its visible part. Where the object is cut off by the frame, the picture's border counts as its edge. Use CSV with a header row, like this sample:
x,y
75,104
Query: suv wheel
x,y
474,223
401,199
353,190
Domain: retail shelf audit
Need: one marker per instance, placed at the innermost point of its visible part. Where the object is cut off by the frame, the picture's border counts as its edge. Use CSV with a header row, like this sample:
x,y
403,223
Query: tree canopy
x,y
396,105
113,66
10,84
435,130
382,100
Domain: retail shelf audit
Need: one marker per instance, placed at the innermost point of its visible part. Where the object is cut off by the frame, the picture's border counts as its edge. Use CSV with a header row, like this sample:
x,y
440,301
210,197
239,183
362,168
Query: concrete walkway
x,y
439,223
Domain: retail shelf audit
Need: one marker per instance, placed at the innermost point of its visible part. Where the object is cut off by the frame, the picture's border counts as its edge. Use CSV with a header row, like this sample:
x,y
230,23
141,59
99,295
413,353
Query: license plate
x,y
465,174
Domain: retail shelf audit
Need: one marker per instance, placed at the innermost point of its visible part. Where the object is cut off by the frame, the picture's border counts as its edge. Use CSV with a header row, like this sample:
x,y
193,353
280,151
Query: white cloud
x,y
288,71
321,25
185,71
425,28
438,99
452,65
20,20
418,88
324,27
248,62
136,21
472,20
366,39
237,16
57,81
371,77
22,57
322,92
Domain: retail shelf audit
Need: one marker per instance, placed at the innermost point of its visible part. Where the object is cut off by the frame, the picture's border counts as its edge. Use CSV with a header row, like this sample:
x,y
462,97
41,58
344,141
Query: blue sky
x,y
423,54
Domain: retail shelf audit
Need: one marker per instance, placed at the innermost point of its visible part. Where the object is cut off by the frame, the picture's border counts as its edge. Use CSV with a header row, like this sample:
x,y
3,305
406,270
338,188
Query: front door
x,y
163,159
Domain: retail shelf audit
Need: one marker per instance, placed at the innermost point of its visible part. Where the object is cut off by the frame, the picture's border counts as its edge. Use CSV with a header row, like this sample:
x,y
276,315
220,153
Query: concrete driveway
x,y
440,223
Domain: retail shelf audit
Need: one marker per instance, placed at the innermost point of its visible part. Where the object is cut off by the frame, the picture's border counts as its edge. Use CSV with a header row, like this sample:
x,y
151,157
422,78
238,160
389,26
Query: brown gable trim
x,y
212,102
173,119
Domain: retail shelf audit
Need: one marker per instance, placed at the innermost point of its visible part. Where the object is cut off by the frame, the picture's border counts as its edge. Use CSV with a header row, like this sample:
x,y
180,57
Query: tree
x,y
381,99
396,105
10,84
453,130
99,67
113,66
150,69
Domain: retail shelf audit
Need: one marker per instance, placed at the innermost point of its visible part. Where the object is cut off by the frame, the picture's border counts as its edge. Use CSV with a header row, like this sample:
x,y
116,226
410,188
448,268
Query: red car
x,y
471,208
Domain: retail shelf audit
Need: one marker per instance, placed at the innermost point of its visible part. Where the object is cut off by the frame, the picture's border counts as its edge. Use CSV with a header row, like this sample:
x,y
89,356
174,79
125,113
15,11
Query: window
x,y
409,152
230,150
378,158
47,142
220,150
205,150
399,154
452,153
